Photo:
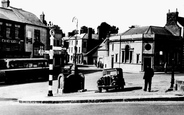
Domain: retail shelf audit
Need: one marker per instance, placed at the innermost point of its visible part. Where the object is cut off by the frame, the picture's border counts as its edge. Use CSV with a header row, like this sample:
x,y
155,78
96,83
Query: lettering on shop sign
x,y
10,41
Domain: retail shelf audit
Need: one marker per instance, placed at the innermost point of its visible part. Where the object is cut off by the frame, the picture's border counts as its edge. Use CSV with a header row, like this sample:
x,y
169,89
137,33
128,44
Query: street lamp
x,y
74,67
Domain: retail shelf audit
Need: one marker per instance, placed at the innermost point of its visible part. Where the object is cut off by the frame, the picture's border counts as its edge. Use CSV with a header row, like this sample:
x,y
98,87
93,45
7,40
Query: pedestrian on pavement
x,y
148,74
165,67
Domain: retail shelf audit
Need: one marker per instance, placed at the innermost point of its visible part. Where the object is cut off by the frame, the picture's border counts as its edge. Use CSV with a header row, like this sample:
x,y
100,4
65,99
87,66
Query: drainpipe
x,y
119,50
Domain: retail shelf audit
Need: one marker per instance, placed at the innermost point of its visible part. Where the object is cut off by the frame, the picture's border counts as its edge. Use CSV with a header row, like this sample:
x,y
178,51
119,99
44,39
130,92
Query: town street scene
x,y
91,58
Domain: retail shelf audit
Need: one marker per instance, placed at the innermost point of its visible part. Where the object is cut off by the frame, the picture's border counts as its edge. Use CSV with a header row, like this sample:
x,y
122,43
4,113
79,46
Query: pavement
x,y
131,93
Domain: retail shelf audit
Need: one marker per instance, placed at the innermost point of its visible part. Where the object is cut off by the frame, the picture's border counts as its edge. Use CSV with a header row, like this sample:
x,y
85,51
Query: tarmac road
x,y
123,108
134,83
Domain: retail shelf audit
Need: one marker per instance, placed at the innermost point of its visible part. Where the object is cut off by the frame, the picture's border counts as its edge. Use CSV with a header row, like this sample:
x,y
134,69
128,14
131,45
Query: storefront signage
x,y
9,41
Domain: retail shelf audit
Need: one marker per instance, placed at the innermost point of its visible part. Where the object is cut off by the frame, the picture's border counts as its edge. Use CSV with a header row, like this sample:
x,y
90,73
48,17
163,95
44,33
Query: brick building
x,y
22,34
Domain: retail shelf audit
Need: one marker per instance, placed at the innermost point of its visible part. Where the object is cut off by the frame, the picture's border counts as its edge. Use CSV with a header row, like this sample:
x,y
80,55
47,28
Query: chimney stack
x,y
5,3
89,33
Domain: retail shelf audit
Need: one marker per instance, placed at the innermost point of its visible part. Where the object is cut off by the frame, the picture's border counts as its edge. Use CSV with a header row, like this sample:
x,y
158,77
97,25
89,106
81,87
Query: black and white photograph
x,y
91,57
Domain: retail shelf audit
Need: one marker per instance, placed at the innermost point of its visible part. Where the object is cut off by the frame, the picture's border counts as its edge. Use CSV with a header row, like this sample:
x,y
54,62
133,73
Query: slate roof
x,y
181,21
147,29
85,36
8,14
160,30
20,15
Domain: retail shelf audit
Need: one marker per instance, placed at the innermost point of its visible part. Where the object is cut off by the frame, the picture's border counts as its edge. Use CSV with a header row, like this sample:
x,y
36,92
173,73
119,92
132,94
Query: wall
x,y
29,30
135,47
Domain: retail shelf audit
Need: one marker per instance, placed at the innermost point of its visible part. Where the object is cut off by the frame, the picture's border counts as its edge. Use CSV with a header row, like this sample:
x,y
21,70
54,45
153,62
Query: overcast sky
x,y
90,13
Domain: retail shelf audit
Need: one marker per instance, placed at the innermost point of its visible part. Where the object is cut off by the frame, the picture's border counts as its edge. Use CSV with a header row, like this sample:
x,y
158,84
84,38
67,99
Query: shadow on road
x,y
88,71
126,89
132,88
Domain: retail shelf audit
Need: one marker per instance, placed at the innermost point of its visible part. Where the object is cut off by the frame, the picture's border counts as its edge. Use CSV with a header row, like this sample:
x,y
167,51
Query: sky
x,y
91,13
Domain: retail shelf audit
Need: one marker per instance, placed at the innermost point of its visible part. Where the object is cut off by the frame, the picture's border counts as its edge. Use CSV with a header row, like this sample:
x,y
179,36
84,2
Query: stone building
x,y
85,43
141,46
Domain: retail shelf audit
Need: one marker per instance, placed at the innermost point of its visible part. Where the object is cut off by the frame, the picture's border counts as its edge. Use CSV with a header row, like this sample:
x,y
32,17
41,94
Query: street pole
x,y
119,51
172,75
51,55
75,47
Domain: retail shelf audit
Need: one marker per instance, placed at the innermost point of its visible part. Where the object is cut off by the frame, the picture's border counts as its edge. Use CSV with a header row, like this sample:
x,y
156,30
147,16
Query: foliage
x,y
105,30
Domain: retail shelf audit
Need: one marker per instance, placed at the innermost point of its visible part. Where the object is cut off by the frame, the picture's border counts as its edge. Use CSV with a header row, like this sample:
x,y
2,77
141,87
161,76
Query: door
x,y
147,62
112,61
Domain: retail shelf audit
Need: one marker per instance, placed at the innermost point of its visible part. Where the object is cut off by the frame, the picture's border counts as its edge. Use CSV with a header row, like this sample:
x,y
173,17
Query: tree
x,y
85,29
114,30
105,30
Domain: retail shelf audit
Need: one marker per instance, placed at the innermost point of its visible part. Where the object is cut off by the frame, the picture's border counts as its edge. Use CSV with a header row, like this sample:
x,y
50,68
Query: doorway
x,y
147,62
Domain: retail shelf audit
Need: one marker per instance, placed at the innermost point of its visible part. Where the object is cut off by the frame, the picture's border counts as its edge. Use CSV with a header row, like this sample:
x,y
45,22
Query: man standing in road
x,y
148,78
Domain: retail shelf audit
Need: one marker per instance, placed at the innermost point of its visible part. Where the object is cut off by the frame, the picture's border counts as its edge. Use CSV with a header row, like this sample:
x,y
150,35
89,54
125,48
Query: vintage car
x,y
112,78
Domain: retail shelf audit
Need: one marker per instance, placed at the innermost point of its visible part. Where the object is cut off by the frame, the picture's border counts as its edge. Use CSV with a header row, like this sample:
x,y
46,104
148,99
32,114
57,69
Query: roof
x,y
19,15
82,36
8,14
147,29
92,50
181,20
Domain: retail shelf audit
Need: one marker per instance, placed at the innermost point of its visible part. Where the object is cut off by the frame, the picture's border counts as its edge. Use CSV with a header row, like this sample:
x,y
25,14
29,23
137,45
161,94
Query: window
x,y
36,51
116,57
71,49
8,30
76,50
79,49
112,47
1,29
84,44
17,31
29,37
127,53
138,58
123,56
37,35
131,52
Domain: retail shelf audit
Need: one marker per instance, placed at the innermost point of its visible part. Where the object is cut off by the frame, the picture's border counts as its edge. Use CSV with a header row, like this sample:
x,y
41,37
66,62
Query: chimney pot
x,y
5,3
